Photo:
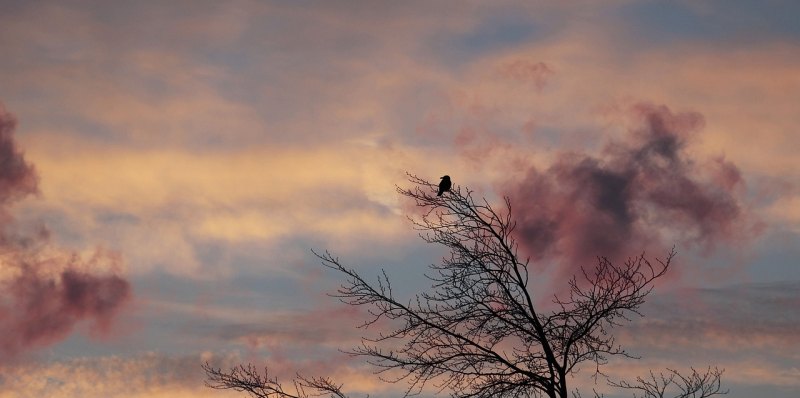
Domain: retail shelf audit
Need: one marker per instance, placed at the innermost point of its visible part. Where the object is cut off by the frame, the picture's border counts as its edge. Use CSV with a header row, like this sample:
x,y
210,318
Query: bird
x,y
445,185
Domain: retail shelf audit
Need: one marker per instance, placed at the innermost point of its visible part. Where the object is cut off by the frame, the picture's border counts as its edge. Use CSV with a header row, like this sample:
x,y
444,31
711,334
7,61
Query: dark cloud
x,y
45,291
17,177
41,310
642,193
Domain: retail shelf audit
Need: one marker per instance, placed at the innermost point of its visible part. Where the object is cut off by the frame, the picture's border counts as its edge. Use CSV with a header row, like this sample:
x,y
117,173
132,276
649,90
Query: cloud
x,y
300,329
747,329
756,320
146,375
17,177
42,310
154,375
46,291
526,71
643,192
163,208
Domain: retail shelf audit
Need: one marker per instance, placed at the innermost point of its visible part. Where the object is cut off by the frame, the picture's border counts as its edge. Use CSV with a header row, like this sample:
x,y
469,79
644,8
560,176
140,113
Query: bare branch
x,y
247,378
672,384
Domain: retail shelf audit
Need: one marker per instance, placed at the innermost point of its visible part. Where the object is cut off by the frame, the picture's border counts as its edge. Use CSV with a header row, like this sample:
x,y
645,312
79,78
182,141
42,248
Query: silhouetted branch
x,y
247,378
675,385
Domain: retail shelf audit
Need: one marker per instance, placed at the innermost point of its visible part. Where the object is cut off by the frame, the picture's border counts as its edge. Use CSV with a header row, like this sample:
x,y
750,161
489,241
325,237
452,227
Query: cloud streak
x,y
755,319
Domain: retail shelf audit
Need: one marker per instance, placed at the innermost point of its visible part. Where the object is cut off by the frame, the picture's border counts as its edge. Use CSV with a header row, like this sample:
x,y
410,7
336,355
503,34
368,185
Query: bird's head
x,y
445,177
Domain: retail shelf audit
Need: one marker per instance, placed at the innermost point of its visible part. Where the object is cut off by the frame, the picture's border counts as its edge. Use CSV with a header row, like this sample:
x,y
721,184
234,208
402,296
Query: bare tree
x,y
478,333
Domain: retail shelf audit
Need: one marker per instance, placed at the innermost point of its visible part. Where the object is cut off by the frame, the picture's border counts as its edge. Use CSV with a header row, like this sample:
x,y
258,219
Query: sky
x,y
167,168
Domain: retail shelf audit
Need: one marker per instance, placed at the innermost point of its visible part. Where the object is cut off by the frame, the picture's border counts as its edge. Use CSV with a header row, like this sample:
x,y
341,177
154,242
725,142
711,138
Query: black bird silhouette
x,y
445,185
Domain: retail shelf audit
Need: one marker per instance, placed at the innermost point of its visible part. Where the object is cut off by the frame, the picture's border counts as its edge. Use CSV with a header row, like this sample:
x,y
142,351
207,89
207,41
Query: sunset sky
x,y
167,167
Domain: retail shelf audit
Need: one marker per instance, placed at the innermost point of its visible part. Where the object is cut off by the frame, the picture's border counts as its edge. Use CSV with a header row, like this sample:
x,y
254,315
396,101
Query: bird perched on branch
x,y
445,185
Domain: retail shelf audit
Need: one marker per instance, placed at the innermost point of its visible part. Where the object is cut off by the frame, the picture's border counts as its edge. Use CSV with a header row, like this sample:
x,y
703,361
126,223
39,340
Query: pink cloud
x,y
45,291
43,310
17,177
645,192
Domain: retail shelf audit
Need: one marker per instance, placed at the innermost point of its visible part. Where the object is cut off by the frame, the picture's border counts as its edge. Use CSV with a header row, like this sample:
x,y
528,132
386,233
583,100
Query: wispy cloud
x,y
756,320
